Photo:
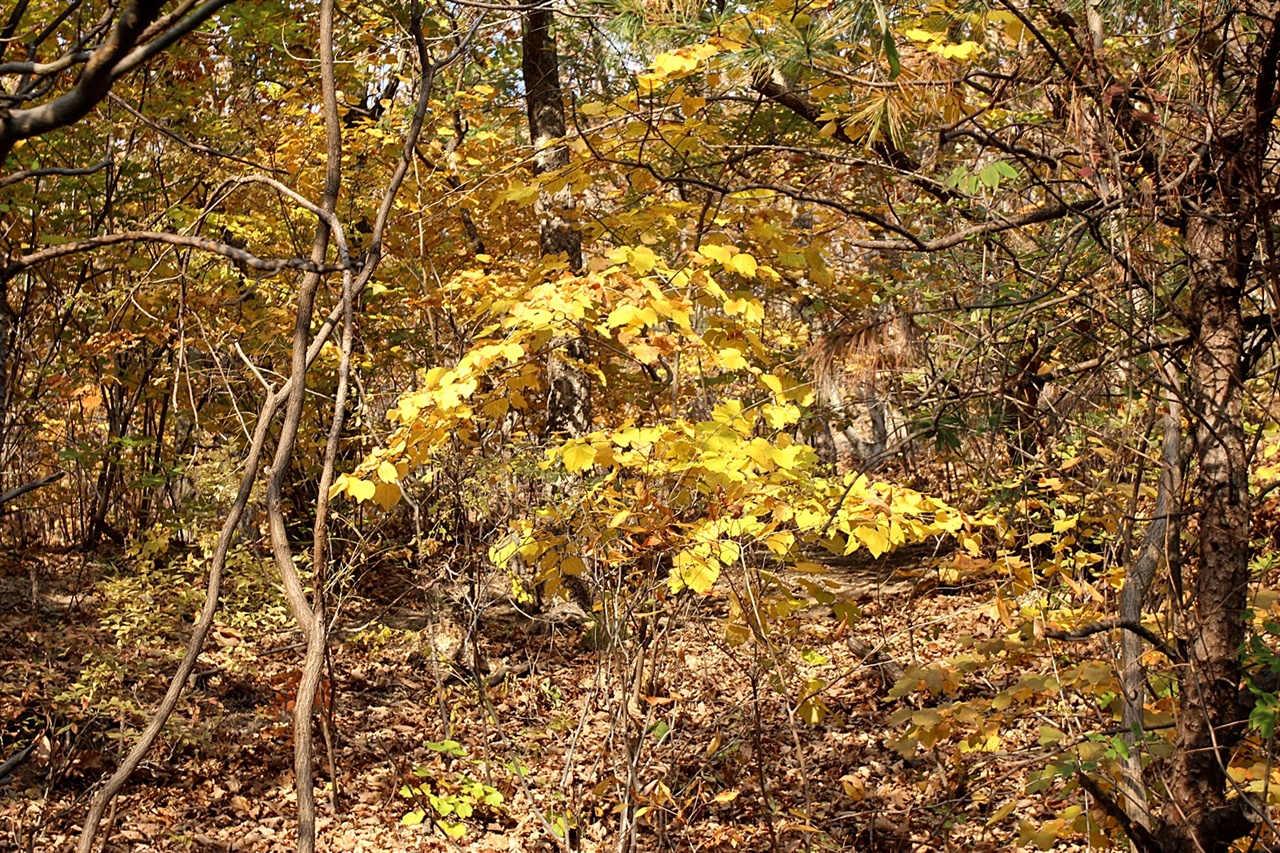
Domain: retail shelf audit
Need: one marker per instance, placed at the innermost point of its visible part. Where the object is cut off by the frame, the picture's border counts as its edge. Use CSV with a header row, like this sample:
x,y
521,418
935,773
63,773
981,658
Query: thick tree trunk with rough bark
x,y
1208,721
1225,208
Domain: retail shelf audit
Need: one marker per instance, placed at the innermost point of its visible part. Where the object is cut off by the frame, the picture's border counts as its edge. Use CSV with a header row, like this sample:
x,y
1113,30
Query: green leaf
x,y
891,53
450,747
814,658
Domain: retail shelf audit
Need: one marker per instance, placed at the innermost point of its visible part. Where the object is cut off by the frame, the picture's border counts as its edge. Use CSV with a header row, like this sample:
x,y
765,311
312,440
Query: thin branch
x,y
44,68
1142,839
16,177
1113,624
14,494
269,266
198,147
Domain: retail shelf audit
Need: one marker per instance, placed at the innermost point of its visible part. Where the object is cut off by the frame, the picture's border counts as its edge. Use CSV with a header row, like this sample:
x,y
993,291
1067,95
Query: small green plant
x,y
451,798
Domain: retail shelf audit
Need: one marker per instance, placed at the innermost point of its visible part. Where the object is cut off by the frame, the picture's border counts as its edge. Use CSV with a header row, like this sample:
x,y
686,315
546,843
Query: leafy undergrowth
x,y
711,748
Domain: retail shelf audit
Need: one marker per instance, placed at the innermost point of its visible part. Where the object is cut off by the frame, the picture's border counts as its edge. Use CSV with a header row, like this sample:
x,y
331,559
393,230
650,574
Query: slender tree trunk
x,y
540,67
1161,540
569,392
7,323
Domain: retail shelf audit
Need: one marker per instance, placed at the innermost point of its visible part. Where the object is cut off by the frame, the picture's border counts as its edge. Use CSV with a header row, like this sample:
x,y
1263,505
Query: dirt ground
x,y
702,742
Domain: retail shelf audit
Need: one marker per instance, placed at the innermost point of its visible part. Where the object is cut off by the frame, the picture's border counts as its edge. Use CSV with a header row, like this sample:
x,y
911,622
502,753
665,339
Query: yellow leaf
x,y
794,456
855,787
877,541
387,473
512,352
780,542
780,416
691,571
1040,538
642,259
744,264
627,315
719,254
813,710
386,495
361,490
1002,812
731,359
338,486
578,456
672,64
725,797
1064,524
964,50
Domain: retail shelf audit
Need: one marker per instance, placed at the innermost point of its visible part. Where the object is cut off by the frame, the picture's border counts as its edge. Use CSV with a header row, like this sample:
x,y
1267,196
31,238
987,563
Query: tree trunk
x,y
1209,725
540,67
1162,540
569,387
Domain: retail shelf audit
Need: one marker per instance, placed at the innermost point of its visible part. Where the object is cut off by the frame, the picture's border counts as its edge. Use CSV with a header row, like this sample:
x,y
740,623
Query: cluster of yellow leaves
x,y
682,62
711,491
937,43
630,297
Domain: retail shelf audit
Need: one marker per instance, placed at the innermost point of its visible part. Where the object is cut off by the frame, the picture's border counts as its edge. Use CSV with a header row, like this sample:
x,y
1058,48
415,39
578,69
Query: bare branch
x,y
1104,625
22,490
17,177
117,56
268,266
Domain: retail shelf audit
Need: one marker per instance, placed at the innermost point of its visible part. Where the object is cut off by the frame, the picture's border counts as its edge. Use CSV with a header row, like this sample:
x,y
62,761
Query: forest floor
x,y
701,743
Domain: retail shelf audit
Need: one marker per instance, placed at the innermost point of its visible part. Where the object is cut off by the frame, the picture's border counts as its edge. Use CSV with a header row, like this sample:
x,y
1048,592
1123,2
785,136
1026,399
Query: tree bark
x,y
1201,818
1226,207
1162,539
540,67
569,387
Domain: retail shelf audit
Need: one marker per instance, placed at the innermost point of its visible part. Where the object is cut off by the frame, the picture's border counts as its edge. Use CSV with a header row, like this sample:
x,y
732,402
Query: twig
x,y
31,487
1086,631
16,177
